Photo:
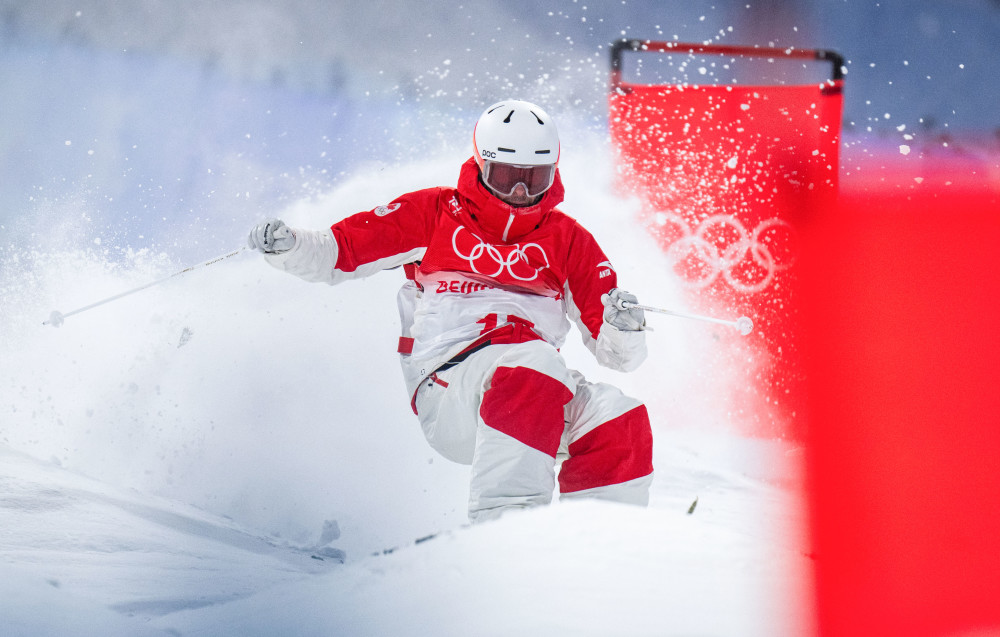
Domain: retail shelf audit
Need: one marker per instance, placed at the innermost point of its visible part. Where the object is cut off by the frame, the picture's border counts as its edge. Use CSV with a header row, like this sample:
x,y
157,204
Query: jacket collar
x,y
500,221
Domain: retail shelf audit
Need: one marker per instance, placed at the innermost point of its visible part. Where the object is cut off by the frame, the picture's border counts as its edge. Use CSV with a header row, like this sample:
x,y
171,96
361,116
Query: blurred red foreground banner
x,y
878,335
899,291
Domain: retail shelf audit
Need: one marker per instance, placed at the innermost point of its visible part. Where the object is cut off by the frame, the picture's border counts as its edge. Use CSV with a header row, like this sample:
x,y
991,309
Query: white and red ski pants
x,y
511,410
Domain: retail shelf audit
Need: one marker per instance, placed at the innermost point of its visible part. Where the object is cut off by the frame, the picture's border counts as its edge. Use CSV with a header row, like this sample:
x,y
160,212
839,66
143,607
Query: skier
x,y
493,271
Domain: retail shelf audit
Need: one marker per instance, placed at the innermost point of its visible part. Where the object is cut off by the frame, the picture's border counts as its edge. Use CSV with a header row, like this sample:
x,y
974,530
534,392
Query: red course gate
x,y
725,173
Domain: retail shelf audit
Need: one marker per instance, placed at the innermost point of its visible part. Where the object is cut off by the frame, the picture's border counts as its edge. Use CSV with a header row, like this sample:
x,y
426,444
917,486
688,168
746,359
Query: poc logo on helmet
x,y
489,154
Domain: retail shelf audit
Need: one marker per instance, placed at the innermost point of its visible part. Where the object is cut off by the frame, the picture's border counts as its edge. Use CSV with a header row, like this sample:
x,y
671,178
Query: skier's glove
x,y
615,313
271,236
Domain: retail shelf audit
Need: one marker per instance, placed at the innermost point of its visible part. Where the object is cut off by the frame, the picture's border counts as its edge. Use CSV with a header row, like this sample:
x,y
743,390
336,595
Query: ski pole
x,y
743,323
57,318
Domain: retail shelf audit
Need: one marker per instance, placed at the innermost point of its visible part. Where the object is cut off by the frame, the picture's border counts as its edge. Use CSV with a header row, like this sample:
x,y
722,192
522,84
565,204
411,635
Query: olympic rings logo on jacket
x,y
522,263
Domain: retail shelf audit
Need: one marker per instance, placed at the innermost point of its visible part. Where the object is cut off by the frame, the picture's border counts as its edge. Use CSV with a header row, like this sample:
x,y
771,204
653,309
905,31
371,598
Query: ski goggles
x,y
504,178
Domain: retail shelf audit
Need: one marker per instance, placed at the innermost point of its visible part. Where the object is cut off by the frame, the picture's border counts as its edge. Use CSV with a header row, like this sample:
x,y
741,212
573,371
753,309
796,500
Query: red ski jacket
x,y
474,265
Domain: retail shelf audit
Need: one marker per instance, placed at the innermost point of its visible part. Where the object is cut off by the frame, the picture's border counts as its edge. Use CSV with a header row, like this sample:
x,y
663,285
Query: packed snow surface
x,y
712,556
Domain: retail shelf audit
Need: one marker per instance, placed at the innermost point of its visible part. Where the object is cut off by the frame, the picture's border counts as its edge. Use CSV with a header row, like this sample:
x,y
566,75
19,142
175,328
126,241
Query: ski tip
x,y
693,506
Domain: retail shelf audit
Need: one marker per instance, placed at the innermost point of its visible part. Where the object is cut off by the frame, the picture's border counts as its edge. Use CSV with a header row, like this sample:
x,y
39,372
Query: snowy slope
x,y
581,569
96,547
73,548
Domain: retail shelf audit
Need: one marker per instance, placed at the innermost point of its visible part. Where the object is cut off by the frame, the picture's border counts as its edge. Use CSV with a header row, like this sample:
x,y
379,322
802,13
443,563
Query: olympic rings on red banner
x,y
722,246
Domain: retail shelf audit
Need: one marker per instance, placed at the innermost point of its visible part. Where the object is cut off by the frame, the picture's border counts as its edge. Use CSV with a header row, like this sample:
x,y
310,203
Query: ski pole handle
x,y
744,324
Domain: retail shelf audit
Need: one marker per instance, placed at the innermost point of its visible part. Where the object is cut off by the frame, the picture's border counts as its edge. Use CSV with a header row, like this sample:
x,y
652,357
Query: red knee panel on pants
x,y
527,406
617,451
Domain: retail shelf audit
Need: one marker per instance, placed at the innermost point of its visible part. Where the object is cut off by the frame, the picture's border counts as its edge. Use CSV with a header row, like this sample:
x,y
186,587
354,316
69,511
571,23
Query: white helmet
x,y
516,142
